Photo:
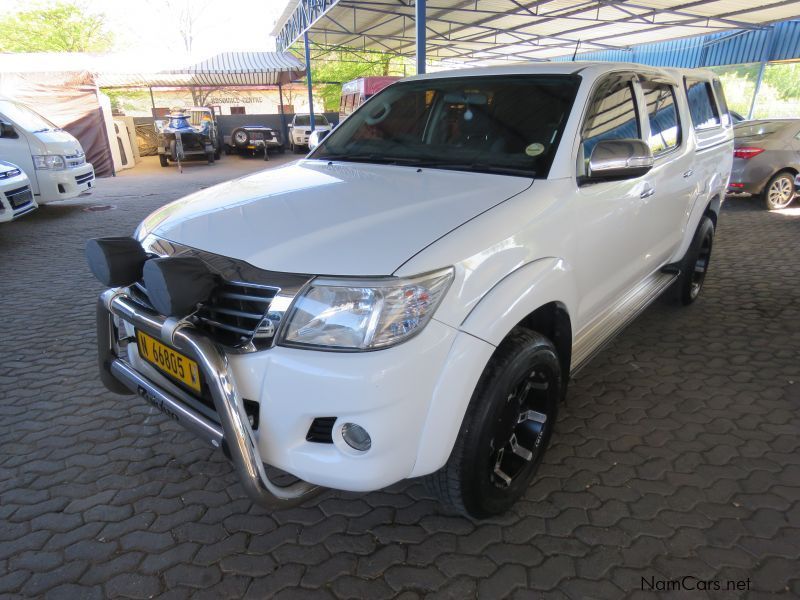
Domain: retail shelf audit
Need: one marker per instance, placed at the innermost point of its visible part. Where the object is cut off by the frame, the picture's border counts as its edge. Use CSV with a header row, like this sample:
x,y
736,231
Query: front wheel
x,y
694,264
162,159
779,192
506,429
210,157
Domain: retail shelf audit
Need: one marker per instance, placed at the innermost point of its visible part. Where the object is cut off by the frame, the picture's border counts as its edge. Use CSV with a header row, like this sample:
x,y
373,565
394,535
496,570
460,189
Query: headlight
x,y
365,314
49,161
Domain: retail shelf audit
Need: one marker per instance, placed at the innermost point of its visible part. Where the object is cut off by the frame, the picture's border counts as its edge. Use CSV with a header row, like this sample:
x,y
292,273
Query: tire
x,y
162,159
227,150
292,148
779,191
281,149
210,157
482,477
694,264
173,150
217,154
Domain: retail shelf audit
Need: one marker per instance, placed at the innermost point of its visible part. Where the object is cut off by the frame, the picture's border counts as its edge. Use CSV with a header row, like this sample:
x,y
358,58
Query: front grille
x,y
236,313
76,160
321,430
19,196
81,179
256,135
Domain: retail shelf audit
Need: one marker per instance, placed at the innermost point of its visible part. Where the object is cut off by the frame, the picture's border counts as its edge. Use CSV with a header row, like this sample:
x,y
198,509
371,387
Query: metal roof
x,y
228,69
498,30
780,41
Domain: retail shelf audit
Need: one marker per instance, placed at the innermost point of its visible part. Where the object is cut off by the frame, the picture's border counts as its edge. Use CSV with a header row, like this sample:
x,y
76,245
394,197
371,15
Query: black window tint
x,y
723,104
701,104
665,129
612,116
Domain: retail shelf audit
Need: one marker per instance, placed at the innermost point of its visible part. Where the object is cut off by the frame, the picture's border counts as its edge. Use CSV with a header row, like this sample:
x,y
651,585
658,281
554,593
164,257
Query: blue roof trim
x,y
780,41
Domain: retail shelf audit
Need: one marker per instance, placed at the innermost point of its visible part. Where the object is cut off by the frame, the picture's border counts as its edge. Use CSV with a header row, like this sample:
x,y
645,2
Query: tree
x,y
330,69
58,27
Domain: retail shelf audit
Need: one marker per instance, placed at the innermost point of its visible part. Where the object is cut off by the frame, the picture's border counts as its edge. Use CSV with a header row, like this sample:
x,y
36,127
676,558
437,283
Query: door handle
x,y
647,191
687,174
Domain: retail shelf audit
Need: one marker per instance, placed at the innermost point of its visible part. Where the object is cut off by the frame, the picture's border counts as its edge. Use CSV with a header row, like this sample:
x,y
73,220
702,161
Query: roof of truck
x,y
558,68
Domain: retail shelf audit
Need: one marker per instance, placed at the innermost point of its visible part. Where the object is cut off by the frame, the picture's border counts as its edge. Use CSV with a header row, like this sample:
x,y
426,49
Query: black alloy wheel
x,y
506,430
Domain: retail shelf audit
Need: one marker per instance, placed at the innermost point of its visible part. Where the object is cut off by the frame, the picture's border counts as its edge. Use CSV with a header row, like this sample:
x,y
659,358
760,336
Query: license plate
x,y
170,361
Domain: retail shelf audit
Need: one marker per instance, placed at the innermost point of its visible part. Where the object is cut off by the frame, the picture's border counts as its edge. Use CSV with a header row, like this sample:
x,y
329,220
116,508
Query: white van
x,y
51,158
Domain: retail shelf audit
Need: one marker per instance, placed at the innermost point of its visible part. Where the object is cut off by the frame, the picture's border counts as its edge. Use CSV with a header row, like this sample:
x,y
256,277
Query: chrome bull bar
x,y
235,433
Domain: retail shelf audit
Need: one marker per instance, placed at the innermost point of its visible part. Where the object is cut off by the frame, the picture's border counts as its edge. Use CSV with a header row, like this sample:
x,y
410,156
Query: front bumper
x,y
233,433
62,185
388,392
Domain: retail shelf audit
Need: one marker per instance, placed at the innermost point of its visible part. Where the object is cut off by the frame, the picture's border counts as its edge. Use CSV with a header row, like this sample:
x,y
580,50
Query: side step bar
x,y
612,321
235,434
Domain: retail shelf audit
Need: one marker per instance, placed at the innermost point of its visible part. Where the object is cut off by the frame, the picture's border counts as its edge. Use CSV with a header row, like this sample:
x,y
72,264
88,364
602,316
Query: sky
x,y
142,27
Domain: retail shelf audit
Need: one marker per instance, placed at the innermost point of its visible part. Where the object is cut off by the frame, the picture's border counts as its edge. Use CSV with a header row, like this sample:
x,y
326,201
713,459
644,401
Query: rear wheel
x,y
162,159
779,192
694,264
506,429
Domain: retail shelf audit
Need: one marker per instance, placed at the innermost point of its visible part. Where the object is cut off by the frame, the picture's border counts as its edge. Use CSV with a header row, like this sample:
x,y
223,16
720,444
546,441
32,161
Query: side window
x,y
665,127
723,104
612,115
701,104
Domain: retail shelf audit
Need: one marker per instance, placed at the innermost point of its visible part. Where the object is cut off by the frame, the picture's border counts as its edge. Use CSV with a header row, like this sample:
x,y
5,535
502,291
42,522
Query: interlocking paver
x,y
678,451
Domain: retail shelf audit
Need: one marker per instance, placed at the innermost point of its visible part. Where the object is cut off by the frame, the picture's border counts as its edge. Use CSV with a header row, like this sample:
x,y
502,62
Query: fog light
x,y
356,437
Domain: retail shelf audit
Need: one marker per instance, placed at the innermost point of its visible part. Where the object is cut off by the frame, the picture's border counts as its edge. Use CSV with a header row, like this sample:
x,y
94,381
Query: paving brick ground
x,y
678,453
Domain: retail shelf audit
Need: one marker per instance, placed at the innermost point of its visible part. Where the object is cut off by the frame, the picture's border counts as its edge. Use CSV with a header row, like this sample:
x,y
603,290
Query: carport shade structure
x,y
228,69
492,31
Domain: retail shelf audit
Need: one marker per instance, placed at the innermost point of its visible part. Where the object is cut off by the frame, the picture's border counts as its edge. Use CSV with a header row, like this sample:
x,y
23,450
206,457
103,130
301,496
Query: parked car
x,y
16,196
358,91
253,139
412,298
188,133
300,129
52,159
766,160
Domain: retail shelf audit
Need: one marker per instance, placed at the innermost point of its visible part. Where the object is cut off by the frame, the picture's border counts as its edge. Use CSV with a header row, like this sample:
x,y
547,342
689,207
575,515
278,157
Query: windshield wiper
x,y
481,167
374,158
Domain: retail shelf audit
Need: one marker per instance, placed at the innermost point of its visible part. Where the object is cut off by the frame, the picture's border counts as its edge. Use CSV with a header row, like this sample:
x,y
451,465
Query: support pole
x,y
152,99
308,79
755,91
284,129
419,15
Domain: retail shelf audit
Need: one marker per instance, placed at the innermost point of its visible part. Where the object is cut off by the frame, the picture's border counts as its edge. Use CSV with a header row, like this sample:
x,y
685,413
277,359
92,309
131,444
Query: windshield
x,y
305,120
508,124
24,117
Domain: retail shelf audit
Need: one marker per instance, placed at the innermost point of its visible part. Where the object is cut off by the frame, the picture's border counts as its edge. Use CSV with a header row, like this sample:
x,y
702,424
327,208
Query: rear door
x,y
673,183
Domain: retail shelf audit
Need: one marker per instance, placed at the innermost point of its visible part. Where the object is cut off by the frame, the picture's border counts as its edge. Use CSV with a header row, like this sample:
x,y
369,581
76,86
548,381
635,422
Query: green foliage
x,y
55,27
331,68
785,78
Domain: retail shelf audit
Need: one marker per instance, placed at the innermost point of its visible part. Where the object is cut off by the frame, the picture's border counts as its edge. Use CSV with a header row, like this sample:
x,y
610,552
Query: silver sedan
x,y
766,160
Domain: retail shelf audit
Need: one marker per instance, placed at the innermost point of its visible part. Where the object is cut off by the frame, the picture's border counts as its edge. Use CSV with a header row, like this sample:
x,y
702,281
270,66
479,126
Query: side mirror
x,y
316,138
7,130
618,159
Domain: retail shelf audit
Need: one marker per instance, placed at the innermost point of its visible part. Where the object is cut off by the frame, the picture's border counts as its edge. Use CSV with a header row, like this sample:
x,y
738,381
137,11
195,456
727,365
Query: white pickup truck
x,y
412,298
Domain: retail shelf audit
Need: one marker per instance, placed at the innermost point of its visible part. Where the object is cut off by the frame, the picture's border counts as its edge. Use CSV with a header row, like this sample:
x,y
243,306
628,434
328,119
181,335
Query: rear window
x,y
701,104
665,129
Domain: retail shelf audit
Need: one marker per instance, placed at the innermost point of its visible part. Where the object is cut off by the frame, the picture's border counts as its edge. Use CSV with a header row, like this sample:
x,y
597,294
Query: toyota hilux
x,y
412,298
